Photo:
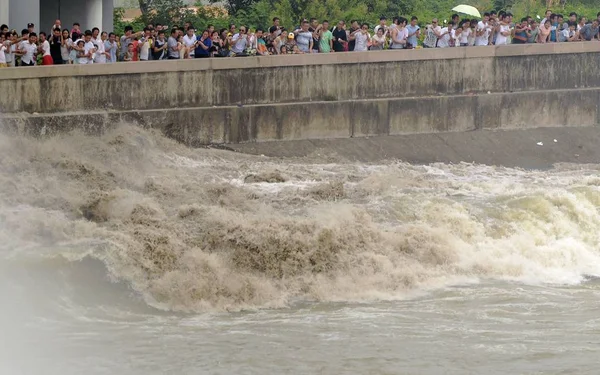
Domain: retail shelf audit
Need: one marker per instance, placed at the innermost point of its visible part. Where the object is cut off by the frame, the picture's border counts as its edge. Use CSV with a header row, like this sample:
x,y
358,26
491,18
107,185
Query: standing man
x,y
28,50
111,47
145,45
382,24
240,42
55,41
159,50
482,31
304,38
325,37
590,31
354,26
340,38
414,31
189,41
129,37
275,30
314,25
433,33
172,46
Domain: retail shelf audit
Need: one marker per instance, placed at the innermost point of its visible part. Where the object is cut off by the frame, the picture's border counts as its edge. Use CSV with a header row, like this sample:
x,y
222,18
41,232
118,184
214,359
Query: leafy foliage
x,y
258,13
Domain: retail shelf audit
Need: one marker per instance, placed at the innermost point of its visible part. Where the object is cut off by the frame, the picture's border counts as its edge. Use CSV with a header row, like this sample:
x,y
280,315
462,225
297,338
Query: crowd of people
x,y
158,42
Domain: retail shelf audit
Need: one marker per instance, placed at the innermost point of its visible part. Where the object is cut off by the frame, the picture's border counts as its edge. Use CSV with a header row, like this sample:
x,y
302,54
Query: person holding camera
x,y
522,32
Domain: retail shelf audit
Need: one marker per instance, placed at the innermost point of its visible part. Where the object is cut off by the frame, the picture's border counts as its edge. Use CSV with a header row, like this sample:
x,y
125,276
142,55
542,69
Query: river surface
x,y
131,254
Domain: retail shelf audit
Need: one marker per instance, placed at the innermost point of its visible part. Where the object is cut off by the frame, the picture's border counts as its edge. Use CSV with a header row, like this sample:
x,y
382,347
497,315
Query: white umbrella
x,y
468,10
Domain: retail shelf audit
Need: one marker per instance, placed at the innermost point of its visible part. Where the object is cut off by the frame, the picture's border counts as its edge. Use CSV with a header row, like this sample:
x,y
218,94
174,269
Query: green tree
x,y
235,6
283,10
119,24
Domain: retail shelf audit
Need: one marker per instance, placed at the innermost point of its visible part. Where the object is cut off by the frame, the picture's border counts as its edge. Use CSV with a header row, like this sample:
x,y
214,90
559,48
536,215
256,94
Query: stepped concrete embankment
x,y
308,97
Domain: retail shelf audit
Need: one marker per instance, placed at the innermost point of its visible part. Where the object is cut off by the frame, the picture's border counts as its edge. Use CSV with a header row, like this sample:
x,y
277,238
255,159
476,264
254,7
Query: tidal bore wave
x,y
204,230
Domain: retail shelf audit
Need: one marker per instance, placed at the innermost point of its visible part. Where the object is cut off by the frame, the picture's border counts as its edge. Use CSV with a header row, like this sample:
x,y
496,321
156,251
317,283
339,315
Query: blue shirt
x,y
201,51
113,51
412,39
553,32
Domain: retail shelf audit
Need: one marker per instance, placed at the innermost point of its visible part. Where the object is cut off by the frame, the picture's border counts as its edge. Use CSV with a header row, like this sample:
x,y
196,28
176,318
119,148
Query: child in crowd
x,y
128,57
78,50
3,49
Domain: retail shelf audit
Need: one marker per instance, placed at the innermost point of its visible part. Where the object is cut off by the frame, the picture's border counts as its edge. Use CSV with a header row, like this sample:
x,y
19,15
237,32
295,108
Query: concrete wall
x,y
317,96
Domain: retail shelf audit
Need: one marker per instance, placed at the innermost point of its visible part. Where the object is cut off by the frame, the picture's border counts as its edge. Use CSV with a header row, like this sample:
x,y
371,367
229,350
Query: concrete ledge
x,y
511,148
339,119
297,60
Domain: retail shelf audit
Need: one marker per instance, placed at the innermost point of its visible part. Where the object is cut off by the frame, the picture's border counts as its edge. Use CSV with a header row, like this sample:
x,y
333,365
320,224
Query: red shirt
x,y
135,51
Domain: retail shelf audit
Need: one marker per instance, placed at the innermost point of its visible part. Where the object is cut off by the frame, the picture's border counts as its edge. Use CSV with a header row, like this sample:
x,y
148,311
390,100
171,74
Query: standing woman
x,y
65,47
203,46
465,33
378,40
544,33
362,38
280,42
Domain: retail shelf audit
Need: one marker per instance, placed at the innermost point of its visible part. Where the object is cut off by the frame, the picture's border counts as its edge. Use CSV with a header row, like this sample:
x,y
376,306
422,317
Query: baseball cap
x,y
291,36
30,25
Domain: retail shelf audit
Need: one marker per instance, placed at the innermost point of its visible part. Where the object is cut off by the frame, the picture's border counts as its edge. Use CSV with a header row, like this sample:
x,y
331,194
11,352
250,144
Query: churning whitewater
x,y
209,230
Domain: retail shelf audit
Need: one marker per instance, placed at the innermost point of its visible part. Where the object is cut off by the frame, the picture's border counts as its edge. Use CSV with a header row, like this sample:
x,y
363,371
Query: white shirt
x,y
8,53
239,44
381,41
484,39
64,49
100,56
29,55
444,41
144,49
430,37
501,39
361,41
189,42
566,34
464,36
86,49
401,35
2,56
46,48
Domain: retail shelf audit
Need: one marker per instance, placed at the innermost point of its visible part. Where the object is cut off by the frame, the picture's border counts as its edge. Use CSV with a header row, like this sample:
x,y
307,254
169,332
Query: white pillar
x,y
94,14
4,12
107,15
22,12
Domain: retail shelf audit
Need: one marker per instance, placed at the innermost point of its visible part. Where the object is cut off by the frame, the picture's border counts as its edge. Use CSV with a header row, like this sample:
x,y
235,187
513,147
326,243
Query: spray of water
x,y
197,230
